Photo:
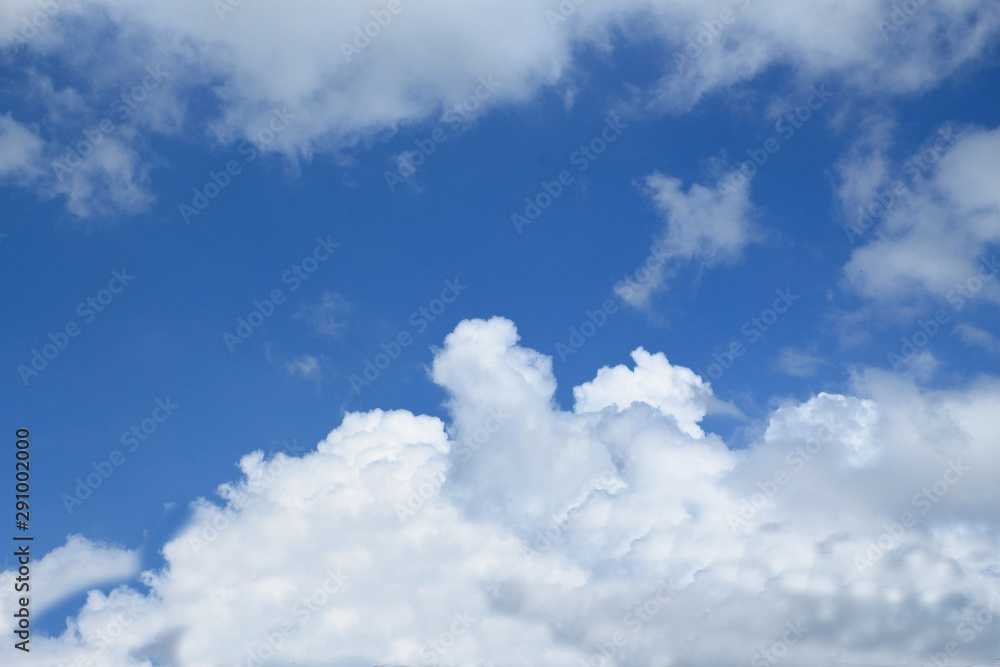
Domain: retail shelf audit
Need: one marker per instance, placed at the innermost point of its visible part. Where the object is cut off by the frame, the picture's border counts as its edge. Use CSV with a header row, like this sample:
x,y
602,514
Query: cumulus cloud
x,y
705,225
673,390
851,420
519,533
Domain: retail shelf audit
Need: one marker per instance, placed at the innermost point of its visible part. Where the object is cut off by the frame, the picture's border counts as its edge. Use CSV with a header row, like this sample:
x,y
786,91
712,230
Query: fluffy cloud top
x,y
517,533
673,390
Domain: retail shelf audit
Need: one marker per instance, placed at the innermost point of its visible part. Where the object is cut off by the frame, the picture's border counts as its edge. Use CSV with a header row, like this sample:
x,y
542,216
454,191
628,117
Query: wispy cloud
x,y
328,316
307,367
799,363
973,335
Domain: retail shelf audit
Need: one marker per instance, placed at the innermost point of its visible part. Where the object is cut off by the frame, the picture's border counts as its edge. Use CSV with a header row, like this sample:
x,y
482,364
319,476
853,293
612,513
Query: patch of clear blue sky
x,y
162,336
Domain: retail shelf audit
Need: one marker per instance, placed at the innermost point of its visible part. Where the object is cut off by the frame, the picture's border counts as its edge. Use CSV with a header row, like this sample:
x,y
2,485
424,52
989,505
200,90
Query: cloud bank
x,y
853,529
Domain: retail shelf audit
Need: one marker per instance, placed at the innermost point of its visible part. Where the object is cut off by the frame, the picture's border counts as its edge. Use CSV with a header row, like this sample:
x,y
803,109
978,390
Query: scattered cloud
x,y
799,363
973,335
307,367
20,151
709,226
328,317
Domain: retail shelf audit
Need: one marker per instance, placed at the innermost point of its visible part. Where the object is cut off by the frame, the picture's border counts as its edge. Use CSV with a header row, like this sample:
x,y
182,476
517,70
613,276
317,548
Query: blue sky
x,y
316,189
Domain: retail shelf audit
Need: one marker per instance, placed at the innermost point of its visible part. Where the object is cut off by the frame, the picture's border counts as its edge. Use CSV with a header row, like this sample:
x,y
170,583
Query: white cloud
x,y
937,219
799,363
298,55
306,366
112,179
709,225
864,170
97,163
973,335
328,316
561,528
705,225
675,391
852,422
72,568
20,151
